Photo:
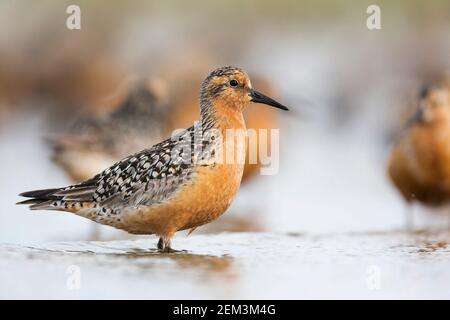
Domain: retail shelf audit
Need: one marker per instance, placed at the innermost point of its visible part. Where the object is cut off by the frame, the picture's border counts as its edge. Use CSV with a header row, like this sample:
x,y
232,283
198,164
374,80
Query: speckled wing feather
x,y
143,179
148,177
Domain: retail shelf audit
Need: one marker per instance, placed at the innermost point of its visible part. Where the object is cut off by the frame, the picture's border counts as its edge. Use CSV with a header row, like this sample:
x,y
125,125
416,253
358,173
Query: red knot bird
x,y
178,184
419,163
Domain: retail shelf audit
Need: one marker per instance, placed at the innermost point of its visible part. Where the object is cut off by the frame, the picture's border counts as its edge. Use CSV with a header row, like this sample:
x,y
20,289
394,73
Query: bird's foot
x,y
164,246
170,250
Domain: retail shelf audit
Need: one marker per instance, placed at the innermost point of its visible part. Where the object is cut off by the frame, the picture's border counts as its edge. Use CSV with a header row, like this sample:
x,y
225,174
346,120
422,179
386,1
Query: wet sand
x,y
234,265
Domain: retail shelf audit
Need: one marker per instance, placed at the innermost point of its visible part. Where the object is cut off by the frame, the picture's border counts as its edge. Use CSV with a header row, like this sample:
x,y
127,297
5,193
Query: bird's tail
x,y
72,198
39,199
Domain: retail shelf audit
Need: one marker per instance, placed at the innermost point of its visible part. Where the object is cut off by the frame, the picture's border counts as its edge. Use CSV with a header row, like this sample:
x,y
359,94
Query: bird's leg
x,y
94,234
409,217
448,220
164,244
167,242
160,244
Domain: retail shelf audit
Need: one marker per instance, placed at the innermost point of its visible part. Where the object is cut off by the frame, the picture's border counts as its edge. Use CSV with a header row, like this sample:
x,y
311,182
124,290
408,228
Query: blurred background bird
x,y
94,142
419,164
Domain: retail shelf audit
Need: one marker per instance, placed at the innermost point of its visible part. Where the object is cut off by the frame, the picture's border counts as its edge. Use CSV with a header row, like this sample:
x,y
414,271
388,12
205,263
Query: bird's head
x,y
434,104
230,88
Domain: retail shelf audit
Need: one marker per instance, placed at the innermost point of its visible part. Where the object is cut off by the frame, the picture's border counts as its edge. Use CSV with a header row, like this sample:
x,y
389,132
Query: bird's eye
x,y
233,83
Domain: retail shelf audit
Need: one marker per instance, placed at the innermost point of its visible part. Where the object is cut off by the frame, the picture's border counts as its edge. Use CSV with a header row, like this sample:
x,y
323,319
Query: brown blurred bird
x,y
177,184
419,164
96,142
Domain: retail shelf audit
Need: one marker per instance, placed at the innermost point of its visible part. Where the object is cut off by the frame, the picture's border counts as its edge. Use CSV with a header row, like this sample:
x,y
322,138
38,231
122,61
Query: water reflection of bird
x,y
170,186
419,164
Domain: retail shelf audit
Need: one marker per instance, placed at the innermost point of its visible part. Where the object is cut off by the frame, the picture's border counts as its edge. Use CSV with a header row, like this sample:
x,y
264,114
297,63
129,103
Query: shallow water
x,y
234,265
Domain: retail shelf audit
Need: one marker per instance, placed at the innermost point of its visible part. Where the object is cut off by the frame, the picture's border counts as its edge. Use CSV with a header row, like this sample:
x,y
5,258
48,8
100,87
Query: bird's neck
x,y
222,116
229,122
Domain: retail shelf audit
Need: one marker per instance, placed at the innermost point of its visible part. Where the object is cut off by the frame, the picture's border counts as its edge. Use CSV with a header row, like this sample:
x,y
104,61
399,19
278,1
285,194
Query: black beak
x,y
418,117
425,90
258,97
